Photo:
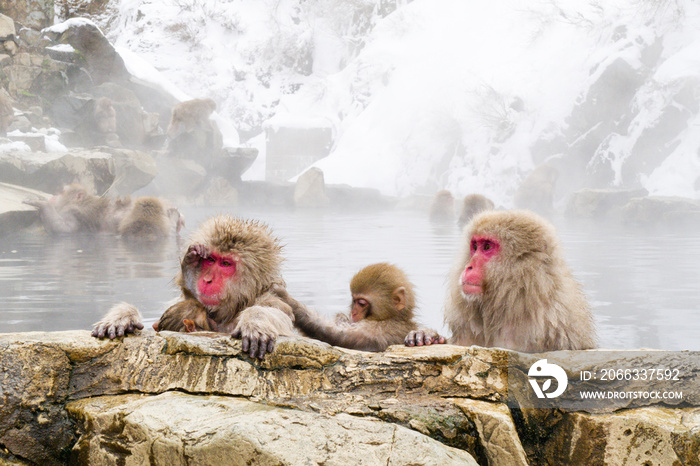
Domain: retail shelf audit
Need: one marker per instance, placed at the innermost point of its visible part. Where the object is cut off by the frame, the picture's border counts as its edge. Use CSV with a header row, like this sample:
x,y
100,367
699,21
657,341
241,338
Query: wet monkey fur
x,y
381,313
511,288
231,268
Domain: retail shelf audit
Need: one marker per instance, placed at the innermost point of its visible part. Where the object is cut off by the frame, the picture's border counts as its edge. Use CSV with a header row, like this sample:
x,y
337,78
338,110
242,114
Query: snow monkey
x,y
231,268
511,288
381,313
104,115
472,205
442,209
189,115
150,219
186,316
75,210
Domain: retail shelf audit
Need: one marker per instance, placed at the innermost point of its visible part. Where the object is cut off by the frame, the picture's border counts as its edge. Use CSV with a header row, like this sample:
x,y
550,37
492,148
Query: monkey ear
x,y
399,298
189,325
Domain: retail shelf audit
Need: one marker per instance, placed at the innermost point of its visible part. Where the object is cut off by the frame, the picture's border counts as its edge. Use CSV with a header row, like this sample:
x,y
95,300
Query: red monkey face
x,y
360,308
482,250
216,271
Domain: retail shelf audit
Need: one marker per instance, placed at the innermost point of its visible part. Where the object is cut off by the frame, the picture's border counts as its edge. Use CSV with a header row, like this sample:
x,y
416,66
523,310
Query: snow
x,y
438,94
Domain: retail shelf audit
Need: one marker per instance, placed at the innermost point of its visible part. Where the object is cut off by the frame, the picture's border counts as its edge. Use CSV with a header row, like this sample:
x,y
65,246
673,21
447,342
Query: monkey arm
x,y
121,319
423,336
259,326
64,222
365,335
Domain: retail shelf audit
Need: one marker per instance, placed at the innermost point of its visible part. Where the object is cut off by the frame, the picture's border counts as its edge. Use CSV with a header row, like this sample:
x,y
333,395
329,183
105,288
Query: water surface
x,y
643,288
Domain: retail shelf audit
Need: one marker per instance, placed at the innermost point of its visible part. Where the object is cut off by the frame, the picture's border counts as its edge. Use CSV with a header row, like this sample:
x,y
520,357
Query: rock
x,y
103,169
29,37
496,428
662,212
310,189
291,146
177,428
178,177
92,169
132,171
33,77
14,214
257,193
358,199
174,398
101,60
233,162
36,142
218,192
600,204
648,436
7,27
35,14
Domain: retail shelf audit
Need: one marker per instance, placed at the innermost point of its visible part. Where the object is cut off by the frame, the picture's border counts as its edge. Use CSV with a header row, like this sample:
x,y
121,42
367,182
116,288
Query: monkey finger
x,y
410,339
111,333
262,347
270,346
245,344
253,353
139,325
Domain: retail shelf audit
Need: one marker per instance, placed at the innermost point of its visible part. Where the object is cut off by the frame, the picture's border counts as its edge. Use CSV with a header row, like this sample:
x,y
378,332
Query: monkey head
x,y
380,292
504,247
229,263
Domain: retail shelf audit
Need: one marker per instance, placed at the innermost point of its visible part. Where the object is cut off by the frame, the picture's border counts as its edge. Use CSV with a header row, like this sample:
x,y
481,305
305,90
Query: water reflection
x,y
643,288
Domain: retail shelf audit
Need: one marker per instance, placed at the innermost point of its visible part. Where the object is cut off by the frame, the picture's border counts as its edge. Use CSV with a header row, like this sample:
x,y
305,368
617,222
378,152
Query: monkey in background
x,y
232,269
76,210
442,209
536,192
149,219
190,114
472,205
7,113
104,115
381,313
511,288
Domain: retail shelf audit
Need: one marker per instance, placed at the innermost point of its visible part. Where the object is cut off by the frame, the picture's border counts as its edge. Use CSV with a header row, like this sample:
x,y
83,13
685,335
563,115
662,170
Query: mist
x,y
584,112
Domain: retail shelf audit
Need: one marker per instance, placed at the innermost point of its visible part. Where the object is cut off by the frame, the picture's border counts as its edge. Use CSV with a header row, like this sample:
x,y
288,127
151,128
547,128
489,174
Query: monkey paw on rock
x,y
122,319
258,329
424,336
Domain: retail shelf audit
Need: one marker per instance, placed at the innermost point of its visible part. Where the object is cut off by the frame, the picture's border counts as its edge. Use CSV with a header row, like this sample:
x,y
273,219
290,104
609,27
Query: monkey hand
x,y
258,328
195,253
424,336
122,319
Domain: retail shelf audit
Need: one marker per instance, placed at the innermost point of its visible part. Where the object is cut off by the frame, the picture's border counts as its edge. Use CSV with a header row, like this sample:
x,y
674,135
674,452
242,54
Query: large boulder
x,y
99,57
171,398
120,171
177,428
14,214
310,189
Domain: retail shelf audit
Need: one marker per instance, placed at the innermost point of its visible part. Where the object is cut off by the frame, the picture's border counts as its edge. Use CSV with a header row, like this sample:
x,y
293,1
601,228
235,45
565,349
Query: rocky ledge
x,y
67,398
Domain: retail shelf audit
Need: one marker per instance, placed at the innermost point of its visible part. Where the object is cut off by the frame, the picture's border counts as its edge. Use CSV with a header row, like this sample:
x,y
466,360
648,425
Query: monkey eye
x,y
473,245
210,259
487,245
226,263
